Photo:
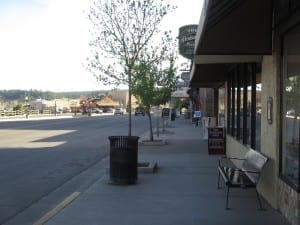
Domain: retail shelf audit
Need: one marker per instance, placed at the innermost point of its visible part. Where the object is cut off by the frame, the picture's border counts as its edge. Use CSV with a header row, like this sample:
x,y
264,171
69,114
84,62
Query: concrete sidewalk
x,y
183,191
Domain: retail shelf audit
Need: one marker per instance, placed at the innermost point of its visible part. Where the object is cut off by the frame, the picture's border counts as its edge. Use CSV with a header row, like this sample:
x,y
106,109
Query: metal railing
x,y
9,113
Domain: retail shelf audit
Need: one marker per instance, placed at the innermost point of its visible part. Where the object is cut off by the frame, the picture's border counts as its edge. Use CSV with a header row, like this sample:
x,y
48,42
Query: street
x,y
38,157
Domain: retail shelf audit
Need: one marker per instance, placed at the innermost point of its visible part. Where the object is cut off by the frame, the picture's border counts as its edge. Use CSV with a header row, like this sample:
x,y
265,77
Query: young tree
x,y
177,104
122,30
153,86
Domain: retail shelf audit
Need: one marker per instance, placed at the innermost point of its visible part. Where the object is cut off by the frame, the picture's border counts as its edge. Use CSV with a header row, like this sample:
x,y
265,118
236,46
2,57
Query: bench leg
x,y
227,196
219,180
259,200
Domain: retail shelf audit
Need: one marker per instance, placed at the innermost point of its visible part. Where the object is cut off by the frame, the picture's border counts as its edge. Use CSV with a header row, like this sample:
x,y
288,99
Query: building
x,y
122,97
248,53
50,106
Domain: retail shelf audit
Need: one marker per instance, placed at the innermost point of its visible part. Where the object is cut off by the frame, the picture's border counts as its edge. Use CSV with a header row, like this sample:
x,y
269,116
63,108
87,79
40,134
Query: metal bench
x,y
246,176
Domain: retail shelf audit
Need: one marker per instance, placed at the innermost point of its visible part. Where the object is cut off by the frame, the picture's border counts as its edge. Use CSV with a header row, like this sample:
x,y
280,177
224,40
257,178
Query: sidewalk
x,y
183,191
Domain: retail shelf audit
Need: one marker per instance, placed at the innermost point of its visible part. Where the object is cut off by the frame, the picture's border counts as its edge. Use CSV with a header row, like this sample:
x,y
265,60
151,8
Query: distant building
x,y
50,106
122,96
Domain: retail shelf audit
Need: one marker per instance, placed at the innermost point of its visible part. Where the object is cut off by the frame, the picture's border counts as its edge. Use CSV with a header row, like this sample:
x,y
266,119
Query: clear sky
x,y
43,43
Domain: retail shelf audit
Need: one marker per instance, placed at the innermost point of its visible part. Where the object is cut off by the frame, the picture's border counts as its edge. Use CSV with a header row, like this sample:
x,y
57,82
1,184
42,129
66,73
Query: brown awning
x,y
208,75
229,27
230,31
211,70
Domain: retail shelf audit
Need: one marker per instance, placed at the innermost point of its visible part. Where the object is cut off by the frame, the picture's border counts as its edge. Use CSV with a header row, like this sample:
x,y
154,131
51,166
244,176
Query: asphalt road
x,y
37,158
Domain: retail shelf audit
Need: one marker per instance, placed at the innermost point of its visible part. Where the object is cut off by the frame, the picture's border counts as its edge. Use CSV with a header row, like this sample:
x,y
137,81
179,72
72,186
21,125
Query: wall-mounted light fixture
x,y
270,110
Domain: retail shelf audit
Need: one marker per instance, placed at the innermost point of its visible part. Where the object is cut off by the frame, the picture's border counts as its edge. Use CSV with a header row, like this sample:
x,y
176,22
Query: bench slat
x,y
235,177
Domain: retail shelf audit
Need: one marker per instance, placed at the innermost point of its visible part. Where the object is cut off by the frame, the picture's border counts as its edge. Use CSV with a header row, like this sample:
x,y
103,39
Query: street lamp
x,y
26,106
55,107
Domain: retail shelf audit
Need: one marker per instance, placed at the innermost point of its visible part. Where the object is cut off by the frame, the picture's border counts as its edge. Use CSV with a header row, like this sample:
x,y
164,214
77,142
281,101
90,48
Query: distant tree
x,y
122,30
18,106
152,85
177,104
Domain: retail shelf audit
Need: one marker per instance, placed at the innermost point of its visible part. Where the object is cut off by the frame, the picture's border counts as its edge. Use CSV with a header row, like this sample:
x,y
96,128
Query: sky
x,y
44,43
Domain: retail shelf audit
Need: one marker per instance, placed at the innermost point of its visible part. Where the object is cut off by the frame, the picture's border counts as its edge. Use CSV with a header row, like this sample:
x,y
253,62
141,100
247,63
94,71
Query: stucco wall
x,y
268,186
235,148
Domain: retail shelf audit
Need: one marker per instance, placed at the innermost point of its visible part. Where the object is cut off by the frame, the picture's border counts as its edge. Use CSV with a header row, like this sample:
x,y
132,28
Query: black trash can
x,y
173,116
123,159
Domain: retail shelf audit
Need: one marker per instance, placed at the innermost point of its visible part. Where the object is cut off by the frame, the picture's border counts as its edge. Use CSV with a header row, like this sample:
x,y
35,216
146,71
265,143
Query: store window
x,y
242,108
249,103
244,102
221,113
258,112
238,107
233,104
290,146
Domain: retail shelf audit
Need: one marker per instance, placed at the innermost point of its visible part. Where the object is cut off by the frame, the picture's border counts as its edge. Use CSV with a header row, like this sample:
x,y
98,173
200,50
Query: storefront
x,y
255,69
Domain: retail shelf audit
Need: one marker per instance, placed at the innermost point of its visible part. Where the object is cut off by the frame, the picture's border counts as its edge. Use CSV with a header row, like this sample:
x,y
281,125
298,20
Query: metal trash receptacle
x,y
123,159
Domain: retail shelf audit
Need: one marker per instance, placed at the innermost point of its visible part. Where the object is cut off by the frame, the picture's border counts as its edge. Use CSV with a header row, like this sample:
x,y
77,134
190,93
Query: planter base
x,y
153,143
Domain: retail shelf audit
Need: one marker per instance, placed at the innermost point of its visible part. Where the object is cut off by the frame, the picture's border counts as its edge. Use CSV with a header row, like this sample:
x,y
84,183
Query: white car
x,y
95,110
118,111
290,112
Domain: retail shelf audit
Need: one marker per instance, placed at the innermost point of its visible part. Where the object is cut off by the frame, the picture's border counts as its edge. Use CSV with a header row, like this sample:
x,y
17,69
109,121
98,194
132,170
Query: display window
x,y
290,108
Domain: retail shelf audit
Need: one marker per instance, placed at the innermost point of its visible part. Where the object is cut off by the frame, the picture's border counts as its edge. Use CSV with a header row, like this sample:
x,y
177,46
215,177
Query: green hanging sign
x,y
187,36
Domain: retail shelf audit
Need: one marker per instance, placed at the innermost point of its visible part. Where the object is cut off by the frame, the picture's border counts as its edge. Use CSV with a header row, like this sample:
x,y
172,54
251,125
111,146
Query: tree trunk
x,y
129,102
150,125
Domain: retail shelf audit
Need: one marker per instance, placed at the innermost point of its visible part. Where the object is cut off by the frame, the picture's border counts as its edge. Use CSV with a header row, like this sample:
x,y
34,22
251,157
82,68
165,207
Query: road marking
x,y
57,209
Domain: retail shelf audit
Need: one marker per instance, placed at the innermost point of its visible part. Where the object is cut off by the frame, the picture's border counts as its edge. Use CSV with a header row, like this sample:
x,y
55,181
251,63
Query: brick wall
x,y
289,203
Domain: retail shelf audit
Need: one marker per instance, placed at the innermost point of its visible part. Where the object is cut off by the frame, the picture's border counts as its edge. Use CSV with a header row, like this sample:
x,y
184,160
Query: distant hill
x,y
19,95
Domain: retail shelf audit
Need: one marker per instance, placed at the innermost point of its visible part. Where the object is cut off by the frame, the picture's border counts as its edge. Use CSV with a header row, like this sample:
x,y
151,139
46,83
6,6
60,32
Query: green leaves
x,y
151,84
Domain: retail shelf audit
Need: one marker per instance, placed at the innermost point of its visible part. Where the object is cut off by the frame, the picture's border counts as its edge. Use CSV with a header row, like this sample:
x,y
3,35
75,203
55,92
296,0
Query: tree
x,y
18,106
152,85
122,30
177,104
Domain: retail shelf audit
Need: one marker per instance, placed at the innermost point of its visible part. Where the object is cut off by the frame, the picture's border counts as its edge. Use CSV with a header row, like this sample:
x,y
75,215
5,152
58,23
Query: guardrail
x,y
8,113
11,113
